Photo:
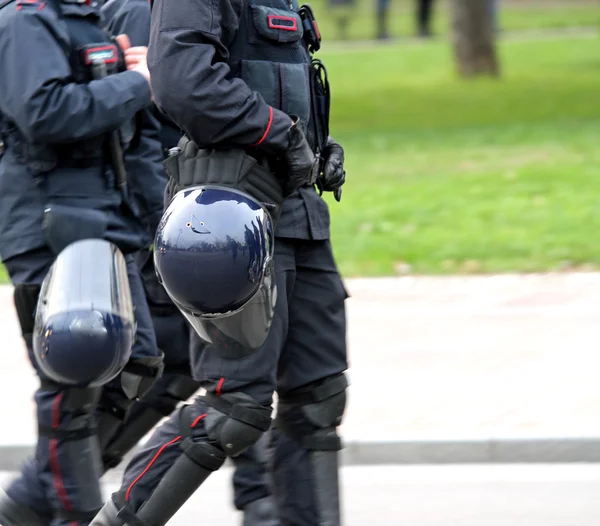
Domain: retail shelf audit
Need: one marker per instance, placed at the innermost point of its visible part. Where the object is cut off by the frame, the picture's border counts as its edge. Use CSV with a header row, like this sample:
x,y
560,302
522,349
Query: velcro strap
x,y
75,515
203,454
162,311
66,434
223,406
49,385
253,417
142,370
312,394
323,443
130,518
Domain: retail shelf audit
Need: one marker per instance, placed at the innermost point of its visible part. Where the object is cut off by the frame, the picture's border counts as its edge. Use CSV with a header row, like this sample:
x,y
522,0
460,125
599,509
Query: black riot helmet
x,y
213,254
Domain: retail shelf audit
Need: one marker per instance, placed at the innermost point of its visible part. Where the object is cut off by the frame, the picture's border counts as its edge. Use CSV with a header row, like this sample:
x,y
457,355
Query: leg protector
x,y
198,460
119,395
311,414
26,296
205,442
71,458
159,402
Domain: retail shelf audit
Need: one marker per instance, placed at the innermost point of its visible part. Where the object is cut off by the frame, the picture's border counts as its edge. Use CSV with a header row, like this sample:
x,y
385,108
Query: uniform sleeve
x,y
145,172
39,95
133,20
143,162
191,85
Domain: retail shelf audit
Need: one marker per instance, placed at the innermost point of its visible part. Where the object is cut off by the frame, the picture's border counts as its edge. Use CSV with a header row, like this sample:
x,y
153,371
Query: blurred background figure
x,y
383,12
341,11
424,17
493,7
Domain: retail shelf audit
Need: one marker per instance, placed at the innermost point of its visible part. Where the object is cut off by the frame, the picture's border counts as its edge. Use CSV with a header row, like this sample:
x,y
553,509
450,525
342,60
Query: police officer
x,y
251,491
237,77
60,186
424,12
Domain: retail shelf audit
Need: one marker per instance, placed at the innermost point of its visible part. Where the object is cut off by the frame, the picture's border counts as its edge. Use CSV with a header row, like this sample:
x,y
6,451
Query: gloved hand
x,y
301,163
334,175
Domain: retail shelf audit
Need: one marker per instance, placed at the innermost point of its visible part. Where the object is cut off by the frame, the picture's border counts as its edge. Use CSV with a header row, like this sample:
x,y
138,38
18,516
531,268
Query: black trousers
x,y
306,344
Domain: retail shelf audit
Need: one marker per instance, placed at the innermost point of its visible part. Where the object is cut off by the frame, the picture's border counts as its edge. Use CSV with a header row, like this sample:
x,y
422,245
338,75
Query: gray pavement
x,y
448,369
523,495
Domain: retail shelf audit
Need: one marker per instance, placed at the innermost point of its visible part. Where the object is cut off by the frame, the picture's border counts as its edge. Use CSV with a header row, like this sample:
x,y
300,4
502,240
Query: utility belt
x,y
189,166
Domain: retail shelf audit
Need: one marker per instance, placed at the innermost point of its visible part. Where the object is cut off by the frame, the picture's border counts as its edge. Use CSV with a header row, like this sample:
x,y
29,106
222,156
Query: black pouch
x,y
320,99
63,225
189,166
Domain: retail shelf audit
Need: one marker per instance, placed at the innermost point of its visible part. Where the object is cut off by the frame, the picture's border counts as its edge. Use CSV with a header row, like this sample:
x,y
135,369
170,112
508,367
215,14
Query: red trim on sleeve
x,y
268,127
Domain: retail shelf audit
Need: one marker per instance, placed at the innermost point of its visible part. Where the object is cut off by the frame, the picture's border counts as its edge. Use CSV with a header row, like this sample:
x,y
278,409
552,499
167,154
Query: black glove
x,y
334,175
301,164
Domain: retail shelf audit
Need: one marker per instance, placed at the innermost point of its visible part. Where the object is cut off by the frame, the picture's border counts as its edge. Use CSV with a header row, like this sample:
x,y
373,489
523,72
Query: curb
x,y
485,451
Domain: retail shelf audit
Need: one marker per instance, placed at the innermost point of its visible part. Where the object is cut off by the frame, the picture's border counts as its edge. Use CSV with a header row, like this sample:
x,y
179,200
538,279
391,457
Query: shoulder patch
x,y
39,4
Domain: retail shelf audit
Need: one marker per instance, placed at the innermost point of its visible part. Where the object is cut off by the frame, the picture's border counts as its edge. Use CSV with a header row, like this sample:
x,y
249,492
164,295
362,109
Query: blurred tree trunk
x,y
473,38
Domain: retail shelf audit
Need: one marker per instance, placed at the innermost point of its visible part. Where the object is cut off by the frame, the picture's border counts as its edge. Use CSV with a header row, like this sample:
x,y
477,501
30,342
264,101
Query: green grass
x,y
521,15
450,176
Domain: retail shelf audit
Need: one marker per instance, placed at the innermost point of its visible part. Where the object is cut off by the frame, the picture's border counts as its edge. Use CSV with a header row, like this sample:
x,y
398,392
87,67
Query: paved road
x,y
436,358
523,495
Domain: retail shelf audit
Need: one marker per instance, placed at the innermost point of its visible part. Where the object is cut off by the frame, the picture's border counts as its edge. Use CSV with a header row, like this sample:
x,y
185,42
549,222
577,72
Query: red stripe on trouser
x,y
165,446
220,386
57,478
195,422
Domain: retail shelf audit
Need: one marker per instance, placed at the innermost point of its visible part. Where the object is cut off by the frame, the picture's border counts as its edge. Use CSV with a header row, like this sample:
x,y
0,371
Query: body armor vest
x,y
270,56
88,41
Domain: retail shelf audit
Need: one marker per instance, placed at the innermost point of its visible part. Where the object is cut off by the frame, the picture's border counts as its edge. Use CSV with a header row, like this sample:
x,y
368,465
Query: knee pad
x,y
74,433
118,396
25,297
235,421
313,412
198,460
160,401
175,385
80,404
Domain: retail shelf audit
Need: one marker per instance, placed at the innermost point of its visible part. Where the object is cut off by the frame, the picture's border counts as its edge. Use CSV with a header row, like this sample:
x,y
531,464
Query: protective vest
x,y
88,42
271,56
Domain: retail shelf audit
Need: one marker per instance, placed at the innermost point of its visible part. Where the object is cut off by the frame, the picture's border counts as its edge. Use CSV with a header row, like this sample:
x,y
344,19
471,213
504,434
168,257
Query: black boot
x,y
14,514
261,512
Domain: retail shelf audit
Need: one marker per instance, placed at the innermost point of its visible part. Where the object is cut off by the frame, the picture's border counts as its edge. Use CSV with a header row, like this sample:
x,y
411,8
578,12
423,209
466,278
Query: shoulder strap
x,y
54,3
4,3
